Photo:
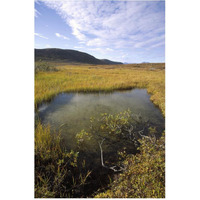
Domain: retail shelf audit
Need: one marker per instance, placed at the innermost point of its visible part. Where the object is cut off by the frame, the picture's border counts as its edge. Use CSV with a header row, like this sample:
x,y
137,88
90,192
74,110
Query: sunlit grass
x,y
86,78
144,176
146,171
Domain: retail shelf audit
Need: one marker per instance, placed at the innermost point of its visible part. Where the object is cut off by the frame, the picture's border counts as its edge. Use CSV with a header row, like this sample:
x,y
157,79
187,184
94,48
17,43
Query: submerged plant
x,y
139,157
144,176
139,163
119,133
56,172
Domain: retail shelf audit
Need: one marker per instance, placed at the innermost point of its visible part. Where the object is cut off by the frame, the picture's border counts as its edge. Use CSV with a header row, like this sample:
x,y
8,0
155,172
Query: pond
x,y
71,112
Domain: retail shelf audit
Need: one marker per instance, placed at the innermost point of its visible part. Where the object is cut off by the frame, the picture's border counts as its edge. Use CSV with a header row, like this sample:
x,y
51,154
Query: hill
x,y
69,56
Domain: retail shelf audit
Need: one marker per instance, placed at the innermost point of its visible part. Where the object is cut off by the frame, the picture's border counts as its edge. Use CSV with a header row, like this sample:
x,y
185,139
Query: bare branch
x,y
114,168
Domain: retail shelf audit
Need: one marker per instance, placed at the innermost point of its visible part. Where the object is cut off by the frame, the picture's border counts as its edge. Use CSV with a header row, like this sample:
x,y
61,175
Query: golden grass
x,y
85,78
144,176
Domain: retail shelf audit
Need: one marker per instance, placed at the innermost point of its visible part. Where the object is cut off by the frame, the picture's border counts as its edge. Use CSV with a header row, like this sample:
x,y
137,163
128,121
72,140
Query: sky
x,y
126,31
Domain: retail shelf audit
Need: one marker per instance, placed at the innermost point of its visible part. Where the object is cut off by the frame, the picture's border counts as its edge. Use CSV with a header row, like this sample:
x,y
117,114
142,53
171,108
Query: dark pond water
x,y
71,112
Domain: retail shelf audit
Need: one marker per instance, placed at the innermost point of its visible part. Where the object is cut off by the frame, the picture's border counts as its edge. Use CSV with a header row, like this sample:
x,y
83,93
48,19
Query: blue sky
x,y
126,31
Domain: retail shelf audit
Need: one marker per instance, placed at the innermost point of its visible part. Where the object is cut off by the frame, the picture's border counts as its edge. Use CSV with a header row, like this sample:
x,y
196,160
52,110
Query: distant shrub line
x,y
44,67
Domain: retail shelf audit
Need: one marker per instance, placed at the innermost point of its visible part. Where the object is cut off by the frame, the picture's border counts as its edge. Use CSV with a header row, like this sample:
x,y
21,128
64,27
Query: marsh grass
x,y
56,172
142,158
91,78
44,67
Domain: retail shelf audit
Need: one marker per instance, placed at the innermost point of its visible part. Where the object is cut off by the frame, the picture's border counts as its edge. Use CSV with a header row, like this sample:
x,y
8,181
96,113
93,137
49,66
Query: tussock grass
x,y
89,78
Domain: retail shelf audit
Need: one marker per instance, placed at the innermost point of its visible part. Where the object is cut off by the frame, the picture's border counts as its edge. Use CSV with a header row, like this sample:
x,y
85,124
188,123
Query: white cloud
x,y
37,13
96,42
157,45
61,36
124,55
37,45
109,49
78,47
47,46
37,1
119,24
151,41
40,35
101,50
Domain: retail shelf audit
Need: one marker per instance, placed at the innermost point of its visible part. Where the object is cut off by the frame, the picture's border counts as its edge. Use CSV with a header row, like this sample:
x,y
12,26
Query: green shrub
x,y
44,67
56,172
61,173
145,173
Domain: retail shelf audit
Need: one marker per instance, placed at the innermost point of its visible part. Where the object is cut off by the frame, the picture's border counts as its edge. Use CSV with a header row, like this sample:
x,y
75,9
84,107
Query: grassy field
x,y
87,78
57,173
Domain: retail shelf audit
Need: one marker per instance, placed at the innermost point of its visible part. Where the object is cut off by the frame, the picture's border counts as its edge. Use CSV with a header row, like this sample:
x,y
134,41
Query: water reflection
x,y
71,112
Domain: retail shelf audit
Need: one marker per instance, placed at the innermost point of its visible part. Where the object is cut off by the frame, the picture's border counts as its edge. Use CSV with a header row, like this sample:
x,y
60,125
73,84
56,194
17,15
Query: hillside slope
x,y
70,56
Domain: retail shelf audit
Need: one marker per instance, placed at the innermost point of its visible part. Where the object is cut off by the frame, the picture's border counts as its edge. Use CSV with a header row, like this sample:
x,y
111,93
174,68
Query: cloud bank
x,y
61,36
116,24
41,36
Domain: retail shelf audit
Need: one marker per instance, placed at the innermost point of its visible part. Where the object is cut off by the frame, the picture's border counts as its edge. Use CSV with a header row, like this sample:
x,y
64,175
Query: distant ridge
x,y
69,56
